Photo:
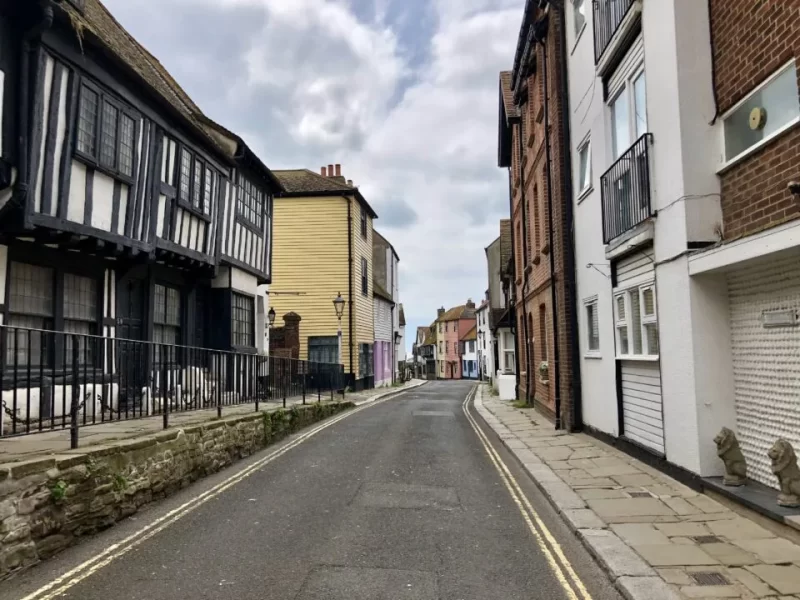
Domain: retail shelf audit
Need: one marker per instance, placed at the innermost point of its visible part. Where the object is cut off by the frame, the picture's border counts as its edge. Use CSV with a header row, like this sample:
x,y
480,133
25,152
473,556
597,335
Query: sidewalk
x,y
14,449
656,538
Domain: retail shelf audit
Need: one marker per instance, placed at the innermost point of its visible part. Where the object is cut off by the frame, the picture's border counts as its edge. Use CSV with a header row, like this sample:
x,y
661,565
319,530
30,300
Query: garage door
x,y
642,415
766,360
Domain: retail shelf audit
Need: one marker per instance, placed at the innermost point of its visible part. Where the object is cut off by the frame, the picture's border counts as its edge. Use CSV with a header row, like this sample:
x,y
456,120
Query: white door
x,y
636,328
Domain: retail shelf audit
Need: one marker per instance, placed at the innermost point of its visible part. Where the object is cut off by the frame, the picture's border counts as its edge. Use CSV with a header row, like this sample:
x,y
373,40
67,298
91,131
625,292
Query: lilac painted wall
x,y
383,362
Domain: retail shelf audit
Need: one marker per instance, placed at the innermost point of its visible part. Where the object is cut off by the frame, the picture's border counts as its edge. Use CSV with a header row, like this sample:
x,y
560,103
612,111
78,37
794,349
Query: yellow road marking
x,y
74,576
551,549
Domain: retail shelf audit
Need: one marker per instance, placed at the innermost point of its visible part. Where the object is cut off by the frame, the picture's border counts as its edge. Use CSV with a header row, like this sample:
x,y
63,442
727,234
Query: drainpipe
x,y
24,92
526,333
350,282
512,290
570,279
553,296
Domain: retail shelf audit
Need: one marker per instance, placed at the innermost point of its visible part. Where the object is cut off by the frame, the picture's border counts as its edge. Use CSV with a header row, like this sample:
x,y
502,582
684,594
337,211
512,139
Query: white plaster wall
x,y
485,343
243,281
588,119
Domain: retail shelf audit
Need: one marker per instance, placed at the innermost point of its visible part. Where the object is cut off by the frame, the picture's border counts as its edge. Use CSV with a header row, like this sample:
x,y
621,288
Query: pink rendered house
x,y
456,324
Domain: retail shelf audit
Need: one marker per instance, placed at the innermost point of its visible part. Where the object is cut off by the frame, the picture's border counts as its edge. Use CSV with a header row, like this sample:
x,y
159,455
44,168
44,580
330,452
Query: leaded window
x,y
80,315
196,182
166,321
251,202
31,305
243,321
106,133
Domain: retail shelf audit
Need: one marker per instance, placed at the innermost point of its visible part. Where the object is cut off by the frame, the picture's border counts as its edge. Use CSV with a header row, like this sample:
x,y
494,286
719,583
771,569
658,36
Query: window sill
x,y
585,193
758,146
640,358
94,164
248,224
194,210
594,355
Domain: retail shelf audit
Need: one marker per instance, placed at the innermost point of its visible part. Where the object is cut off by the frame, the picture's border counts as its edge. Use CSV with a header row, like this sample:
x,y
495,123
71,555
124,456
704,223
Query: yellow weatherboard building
x,y
322,247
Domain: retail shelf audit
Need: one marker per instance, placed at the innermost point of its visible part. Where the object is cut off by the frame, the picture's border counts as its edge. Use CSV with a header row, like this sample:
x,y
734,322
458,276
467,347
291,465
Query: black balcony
x,y
608,15
626,190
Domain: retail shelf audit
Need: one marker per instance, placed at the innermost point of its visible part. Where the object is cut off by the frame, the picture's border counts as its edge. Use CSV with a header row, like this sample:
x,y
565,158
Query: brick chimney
x,y
338,170
330,170
470,304
324,171
440,312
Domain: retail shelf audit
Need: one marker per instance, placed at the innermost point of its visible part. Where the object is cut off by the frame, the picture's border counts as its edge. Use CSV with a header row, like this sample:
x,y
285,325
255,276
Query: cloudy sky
x,y
402,93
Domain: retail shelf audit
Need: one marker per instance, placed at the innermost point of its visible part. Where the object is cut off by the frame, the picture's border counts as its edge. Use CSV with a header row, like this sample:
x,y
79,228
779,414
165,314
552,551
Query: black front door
x,y
133,356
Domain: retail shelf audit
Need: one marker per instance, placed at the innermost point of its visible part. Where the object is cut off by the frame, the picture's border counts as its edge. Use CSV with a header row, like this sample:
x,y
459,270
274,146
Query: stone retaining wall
x,y
46,504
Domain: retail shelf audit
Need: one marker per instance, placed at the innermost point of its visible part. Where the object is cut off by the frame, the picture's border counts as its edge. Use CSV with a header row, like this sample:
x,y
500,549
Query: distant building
x,y
452,326
469,355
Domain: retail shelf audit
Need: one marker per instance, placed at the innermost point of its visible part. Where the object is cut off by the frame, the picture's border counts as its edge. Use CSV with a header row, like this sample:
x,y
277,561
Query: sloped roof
x,y
402,317
508,94
458,312
97,24
305,182
472,334
378,238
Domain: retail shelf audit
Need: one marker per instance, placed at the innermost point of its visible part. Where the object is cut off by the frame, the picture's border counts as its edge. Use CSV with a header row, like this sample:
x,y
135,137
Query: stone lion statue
x,y
784,465
730,453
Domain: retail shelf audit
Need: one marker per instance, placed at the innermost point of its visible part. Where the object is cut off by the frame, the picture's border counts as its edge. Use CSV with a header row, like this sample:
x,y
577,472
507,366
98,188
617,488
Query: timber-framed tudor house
x,y
125,214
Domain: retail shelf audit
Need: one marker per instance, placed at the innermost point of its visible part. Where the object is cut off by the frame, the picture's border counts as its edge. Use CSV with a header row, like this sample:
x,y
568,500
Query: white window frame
x,y
625,85
584,190
626,321
727,163
591,352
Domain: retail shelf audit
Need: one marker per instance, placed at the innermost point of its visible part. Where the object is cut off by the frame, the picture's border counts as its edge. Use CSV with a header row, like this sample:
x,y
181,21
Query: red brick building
x,y
532,146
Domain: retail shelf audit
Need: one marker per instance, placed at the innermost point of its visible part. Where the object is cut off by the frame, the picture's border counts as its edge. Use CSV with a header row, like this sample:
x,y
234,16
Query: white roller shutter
x,y
642,413
766,360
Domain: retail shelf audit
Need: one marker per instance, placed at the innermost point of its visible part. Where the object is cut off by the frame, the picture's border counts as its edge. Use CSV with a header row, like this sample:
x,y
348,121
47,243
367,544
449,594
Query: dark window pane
x,y
80,298
108,145
30,347
126,146
323,349
198,183
243,321
250,204
87,121
160,304
31,290
173,316
185,174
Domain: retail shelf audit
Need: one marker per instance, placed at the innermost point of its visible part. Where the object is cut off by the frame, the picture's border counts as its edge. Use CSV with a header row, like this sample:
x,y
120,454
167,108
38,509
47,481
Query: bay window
x,y
197,182
636,322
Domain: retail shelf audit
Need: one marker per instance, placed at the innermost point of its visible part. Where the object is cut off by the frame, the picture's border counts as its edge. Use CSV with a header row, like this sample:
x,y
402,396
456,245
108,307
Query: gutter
x,y
570,278
553,296
34,32
529,351
350,284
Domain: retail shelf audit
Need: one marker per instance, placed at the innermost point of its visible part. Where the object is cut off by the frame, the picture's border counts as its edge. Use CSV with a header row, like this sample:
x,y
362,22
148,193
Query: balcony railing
x,y
54,380
626,190
608,15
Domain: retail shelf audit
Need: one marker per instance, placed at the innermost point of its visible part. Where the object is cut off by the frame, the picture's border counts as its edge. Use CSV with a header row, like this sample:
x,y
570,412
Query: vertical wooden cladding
x,y
247,243
70,186
192,227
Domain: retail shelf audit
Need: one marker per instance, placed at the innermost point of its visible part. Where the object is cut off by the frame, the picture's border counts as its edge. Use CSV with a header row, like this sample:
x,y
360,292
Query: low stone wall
x,y
46,504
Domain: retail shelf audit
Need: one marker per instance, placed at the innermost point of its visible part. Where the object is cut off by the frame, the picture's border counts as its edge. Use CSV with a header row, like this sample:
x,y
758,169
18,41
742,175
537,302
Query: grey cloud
x,y
395,214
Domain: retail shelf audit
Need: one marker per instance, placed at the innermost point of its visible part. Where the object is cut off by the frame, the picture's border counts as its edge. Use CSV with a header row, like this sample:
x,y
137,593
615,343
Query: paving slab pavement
x,y
656,538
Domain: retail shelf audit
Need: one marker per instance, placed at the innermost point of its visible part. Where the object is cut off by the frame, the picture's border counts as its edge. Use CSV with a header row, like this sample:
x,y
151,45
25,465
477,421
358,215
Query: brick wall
x,y
538,291
751,40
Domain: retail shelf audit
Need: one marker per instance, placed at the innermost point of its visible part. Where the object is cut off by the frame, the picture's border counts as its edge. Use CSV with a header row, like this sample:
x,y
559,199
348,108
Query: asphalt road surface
x,y
400,500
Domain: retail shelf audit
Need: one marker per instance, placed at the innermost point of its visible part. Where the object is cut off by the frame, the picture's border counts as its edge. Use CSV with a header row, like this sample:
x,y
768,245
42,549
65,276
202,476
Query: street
x,y
401,499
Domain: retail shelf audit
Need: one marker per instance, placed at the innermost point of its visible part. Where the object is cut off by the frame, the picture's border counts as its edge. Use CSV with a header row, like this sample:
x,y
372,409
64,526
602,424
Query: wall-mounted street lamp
x,y
271,316
338,305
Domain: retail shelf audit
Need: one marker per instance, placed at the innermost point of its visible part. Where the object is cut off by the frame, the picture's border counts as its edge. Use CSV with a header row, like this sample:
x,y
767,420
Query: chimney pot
x,y
350,182
324,171
330,170
338,170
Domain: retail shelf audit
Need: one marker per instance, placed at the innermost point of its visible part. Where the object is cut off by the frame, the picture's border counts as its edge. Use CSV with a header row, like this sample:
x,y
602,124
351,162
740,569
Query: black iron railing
x,y
608,15
55,380
625,189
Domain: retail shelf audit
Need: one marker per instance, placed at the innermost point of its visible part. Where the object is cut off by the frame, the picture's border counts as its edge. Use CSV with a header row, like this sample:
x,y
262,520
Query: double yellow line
x,y
74,576
547,544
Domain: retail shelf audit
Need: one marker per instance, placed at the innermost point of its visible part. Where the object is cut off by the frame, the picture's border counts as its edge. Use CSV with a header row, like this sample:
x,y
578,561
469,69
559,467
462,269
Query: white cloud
x,y
309,82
